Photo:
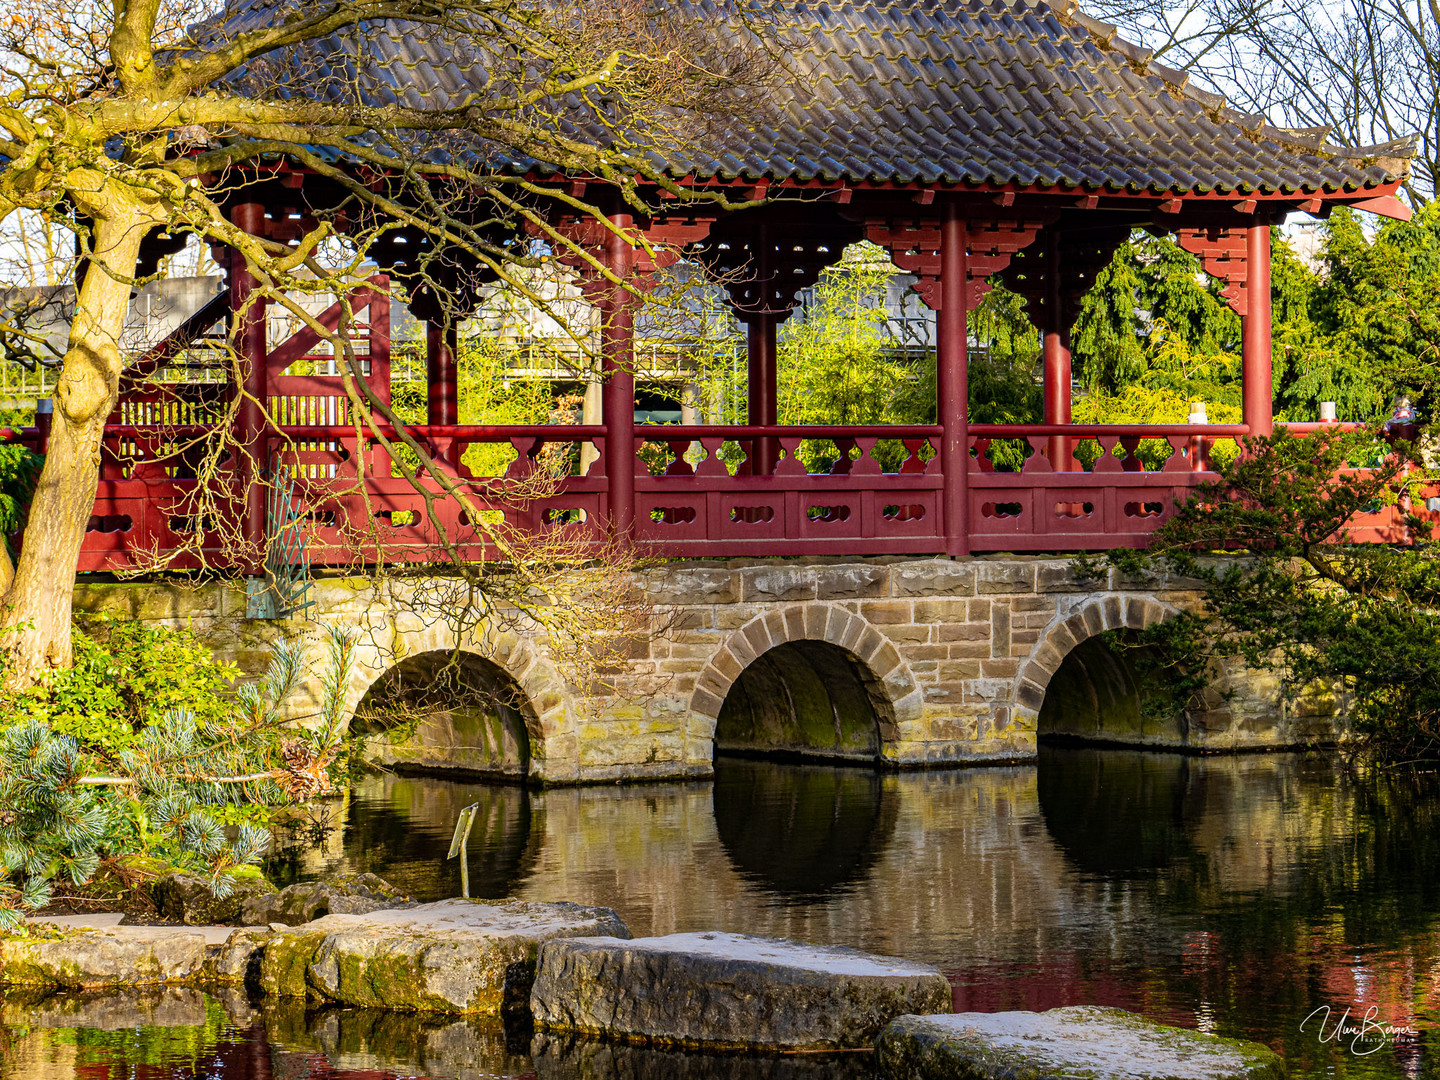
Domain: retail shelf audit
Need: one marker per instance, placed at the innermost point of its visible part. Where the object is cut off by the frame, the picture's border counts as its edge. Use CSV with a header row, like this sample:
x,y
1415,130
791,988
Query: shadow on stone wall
x,y
1097,695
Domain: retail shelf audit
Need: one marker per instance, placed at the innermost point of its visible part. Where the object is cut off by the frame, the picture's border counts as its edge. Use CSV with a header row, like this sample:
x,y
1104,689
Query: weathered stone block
x,y
886,612
460,956
191,899
851,580
728,990
777,583
1080,1041
1000,630
696,585
932,577
1060,577
349,894
238,959
1004,577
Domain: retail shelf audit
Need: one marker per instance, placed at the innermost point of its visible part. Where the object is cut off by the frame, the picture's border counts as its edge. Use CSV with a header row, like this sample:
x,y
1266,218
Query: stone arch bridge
x,y
905,662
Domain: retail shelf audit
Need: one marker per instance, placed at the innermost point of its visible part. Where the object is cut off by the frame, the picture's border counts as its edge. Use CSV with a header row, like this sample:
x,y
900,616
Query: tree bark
x,y
40,597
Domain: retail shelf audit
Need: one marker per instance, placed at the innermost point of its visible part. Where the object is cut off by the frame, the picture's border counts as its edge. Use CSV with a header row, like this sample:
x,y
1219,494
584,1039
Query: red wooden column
x,y
761,405
1257,393
442,396
952,391
760,326
1056,358
253,348
617,363
442,378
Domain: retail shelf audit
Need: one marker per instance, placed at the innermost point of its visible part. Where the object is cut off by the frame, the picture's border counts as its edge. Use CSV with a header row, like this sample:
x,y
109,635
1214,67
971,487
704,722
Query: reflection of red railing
x,y
836,489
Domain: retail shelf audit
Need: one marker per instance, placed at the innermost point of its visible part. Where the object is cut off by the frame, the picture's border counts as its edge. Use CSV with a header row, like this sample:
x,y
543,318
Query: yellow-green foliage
x,y
126,675
1139,404
489,394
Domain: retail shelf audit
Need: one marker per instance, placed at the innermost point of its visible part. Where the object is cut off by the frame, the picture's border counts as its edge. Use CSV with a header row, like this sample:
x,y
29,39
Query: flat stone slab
x,y
458,956
1078,1043
729,991
116,956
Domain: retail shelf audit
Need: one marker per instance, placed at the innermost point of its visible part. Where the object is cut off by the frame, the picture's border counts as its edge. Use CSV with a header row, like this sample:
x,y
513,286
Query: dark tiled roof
x,y
921,91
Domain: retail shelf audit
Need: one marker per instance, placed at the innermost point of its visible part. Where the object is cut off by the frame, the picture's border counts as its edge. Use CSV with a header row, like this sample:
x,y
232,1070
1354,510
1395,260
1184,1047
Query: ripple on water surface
x,y
1233,894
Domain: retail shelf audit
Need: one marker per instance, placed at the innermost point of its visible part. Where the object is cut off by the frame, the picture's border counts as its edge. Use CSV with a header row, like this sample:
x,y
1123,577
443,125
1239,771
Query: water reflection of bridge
x,y
1029,884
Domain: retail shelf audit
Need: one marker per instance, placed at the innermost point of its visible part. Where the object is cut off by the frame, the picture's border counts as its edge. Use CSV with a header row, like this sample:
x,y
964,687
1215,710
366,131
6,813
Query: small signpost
x,y
463,825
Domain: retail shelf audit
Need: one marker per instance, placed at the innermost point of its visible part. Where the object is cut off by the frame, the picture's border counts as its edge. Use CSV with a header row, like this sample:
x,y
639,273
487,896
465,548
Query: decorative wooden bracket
x,y
1221,250
765,262
914,247
658,245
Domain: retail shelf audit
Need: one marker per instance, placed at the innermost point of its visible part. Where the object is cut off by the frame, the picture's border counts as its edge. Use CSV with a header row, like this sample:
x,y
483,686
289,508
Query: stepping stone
x,y
1081,1042
457,956
719,990
114,956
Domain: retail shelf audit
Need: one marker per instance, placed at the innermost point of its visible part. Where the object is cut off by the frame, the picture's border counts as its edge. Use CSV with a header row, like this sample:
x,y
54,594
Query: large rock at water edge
x,y
191,898
729,990
348,894
122,956
460,956
1083,1042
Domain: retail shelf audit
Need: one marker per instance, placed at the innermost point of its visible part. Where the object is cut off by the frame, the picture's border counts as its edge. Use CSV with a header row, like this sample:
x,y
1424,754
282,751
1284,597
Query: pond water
x,y
1233,894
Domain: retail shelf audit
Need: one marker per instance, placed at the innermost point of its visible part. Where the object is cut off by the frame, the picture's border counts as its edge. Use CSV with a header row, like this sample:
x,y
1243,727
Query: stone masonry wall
x,y
956,656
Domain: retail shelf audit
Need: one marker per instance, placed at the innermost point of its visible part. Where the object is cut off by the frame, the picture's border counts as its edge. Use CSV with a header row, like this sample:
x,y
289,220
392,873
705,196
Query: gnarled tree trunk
x,y
39,601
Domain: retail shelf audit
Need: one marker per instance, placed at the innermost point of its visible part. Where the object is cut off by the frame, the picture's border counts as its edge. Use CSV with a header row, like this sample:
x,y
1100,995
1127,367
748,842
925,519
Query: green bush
x,y
126,676
142,750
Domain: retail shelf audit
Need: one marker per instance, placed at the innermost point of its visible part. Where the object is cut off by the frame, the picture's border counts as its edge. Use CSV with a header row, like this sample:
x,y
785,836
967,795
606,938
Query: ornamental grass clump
x,y
191,788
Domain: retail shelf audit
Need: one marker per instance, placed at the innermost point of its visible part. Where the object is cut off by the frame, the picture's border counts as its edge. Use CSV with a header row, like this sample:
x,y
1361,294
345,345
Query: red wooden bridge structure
x,y
973,142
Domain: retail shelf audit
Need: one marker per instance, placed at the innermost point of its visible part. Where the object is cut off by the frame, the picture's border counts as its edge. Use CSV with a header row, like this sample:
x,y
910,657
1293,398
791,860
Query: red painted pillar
x,y
253,349
760,340
1056,359
442,389
761,386
952,392
1257,393
442,395
617,402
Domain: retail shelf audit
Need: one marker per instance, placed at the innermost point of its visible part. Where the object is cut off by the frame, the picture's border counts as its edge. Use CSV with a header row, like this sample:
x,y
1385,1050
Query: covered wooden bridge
x,y
971,141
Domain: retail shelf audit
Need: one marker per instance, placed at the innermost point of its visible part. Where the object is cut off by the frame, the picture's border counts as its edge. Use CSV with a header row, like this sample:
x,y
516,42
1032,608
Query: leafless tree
x,y
147,116
1369,70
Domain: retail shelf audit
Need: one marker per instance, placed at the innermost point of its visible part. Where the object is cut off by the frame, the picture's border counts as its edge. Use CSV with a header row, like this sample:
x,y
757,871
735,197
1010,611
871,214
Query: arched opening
x,y
1097,695
803,699
449,713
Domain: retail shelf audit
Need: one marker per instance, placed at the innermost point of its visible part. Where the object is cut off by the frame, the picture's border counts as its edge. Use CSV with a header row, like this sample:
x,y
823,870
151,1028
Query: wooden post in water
x,y
463,824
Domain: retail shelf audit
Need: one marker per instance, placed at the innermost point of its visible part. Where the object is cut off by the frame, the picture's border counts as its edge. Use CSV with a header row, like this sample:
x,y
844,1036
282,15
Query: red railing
x,y
864,490
694,490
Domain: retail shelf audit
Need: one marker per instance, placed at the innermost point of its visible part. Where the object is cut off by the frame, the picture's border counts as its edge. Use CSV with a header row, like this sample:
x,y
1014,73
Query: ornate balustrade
x,y
865,490
873,490
1047,487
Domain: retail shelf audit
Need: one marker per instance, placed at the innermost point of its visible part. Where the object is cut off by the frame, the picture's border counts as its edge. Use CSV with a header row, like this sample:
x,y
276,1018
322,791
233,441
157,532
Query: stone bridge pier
x,y
901,662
